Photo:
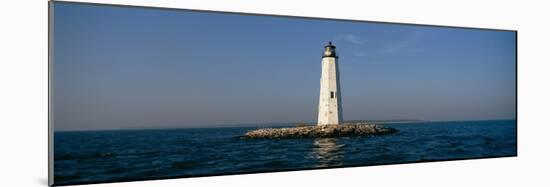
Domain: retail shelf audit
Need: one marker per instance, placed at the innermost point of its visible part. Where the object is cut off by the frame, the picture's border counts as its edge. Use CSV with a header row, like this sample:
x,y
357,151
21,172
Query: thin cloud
x,y
351,38
360,53
409,44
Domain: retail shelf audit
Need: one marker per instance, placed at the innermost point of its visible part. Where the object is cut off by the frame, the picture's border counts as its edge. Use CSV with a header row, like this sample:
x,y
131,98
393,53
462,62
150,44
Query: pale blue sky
x,y
123,67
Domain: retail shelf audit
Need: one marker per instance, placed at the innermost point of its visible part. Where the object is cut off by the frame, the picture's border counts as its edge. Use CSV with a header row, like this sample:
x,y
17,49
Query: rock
x,y
321,131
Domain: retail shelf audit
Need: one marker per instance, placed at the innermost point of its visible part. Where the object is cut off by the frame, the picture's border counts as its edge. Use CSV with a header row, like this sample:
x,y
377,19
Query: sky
x,y
128,67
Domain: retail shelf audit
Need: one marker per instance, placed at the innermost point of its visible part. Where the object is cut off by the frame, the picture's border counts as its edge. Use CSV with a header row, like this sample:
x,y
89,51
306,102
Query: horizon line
x,y
278,124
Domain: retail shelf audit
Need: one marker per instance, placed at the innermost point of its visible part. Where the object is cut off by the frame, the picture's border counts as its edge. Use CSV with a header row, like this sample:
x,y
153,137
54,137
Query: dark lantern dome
x,y
330,50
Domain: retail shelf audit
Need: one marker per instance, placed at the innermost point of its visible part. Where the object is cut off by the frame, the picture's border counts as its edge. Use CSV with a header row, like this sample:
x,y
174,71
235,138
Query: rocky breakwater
x,y
321,131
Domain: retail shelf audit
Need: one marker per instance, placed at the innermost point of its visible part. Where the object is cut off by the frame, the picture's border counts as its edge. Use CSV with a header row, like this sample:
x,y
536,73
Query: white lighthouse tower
x,y
330,102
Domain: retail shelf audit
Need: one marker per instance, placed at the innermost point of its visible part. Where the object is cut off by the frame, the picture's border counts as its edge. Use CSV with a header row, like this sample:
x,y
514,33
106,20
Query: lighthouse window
x,y
332,95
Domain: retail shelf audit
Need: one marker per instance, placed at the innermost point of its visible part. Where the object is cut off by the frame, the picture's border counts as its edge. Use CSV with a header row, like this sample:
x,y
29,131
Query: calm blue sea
x,y
123,155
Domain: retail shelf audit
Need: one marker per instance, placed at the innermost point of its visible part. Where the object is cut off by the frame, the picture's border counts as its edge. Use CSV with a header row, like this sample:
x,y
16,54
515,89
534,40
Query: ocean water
x,y
125,155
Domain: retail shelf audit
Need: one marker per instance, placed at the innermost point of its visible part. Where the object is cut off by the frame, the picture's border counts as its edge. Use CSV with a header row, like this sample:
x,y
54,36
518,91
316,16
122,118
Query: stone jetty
x,y
321,131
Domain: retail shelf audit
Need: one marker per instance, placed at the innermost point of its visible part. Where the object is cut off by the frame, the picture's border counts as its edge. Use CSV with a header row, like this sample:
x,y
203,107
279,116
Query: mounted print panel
x,y
142,93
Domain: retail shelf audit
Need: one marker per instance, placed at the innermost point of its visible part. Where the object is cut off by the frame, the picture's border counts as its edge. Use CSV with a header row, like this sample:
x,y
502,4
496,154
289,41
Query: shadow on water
x,y
327,151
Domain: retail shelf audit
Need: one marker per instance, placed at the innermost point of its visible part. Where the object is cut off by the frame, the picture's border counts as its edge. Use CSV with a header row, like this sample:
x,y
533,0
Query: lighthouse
x,y
330,100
